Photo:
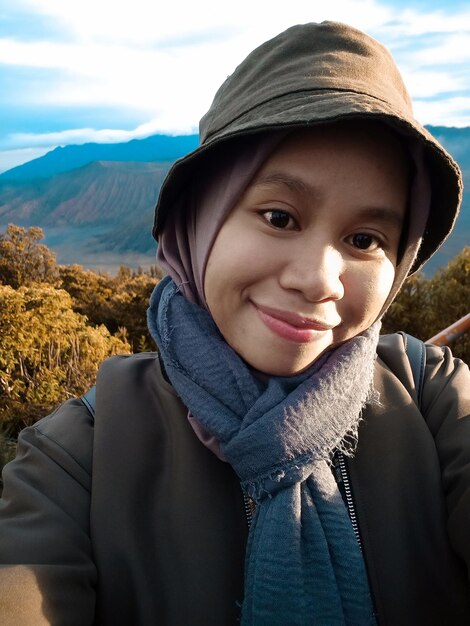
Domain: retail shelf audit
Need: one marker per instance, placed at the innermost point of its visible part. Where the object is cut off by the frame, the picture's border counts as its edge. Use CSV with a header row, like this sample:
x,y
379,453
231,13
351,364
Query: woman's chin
x,y
284,366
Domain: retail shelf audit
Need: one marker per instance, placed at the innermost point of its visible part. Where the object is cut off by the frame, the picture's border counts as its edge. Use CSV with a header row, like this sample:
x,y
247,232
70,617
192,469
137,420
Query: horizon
x,y
102,72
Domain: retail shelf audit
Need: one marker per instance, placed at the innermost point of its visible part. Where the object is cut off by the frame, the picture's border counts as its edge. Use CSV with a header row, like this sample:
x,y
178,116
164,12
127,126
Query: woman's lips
x,y
292,326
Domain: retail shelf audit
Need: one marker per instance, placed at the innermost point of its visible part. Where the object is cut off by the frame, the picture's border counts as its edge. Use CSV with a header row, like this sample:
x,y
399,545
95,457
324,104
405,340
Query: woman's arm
x,y
446,407
47,574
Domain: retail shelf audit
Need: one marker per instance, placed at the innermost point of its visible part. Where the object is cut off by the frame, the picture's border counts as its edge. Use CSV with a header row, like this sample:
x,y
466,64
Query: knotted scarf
x,y
303,564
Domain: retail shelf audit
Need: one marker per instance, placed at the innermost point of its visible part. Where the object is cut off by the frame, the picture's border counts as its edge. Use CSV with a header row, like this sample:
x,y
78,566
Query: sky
x,y
74,71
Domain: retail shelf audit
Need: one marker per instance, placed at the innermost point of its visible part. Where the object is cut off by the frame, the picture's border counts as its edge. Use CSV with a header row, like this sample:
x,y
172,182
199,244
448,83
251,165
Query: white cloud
x,y
454,48
425,83
83,135
139,21
142,80
414,23
145,21
455,111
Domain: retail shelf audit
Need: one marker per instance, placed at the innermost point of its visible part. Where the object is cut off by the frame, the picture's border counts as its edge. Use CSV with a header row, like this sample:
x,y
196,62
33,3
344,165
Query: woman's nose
x,y
316,272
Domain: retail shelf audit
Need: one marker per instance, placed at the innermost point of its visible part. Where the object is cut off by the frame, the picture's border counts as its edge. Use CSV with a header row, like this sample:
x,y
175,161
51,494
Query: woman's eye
x,y
279,219
364,241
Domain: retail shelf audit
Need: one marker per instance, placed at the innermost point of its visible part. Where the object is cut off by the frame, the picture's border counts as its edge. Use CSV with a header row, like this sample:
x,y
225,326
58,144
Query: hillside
x,y
98,193
101,213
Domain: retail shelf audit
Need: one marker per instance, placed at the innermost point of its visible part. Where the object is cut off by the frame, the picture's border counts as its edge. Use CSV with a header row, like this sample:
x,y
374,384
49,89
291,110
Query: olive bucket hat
x,y
316,74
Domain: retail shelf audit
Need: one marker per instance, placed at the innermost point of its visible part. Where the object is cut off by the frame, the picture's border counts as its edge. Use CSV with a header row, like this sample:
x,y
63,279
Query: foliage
x,y
90,293
47,351
424,306
120,302
23,260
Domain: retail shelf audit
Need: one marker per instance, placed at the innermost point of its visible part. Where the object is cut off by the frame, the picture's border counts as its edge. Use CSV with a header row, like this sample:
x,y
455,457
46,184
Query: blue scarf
x,y
303,564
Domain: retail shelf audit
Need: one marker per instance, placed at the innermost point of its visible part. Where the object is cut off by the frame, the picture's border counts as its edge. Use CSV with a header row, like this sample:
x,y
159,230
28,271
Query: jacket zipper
x,y
348,495
248,504
340,464
343,472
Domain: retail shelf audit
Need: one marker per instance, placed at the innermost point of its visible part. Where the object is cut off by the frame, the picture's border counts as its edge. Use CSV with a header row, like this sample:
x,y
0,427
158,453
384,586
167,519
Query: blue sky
x,y
110,70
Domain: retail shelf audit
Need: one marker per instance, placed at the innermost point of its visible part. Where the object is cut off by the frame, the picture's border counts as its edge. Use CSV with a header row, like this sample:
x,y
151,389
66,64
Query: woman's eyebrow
x,y
281,178
385,215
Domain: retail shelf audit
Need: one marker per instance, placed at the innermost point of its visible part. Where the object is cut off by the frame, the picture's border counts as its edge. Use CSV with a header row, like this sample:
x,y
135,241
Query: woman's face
x,y
306,259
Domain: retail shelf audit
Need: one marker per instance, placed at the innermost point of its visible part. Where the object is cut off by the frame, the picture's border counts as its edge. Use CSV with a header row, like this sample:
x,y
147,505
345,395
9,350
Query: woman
x,y
285,236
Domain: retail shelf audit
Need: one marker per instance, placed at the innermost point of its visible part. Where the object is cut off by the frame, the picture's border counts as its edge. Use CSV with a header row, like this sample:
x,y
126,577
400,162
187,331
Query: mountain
x,y
99,213
64,159
457,142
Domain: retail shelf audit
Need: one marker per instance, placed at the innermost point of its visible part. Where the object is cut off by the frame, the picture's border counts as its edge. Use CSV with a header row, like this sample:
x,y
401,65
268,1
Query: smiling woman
x,y
273,463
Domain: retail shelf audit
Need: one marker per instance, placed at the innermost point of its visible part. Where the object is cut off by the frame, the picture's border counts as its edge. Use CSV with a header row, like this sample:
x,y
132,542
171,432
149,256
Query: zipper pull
x,y
250,508
336,469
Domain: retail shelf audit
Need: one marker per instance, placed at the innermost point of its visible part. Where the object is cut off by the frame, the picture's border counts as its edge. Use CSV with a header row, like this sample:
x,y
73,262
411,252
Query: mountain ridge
x,y
66,158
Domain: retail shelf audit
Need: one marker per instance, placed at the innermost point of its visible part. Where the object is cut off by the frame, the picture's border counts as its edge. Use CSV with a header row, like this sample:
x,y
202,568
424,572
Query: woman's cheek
x,y
376,286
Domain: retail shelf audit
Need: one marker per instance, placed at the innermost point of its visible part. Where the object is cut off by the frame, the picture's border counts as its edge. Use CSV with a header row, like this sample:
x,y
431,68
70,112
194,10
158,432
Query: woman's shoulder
x,y
67,433
133,365
126,378
444,376
393,350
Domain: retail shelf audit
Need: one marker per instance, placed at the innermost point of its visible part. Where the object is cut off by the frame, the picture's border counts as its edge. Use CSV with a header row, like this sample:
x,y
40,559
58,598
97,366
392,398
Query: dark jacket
x,y
131,520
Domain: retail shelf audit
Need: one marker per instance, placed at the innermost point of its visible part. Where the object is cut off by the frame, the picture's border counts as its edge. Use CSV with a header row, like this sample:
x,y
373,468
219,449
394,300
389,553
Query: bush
x,y
47,352
23,260
424,306
118,302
